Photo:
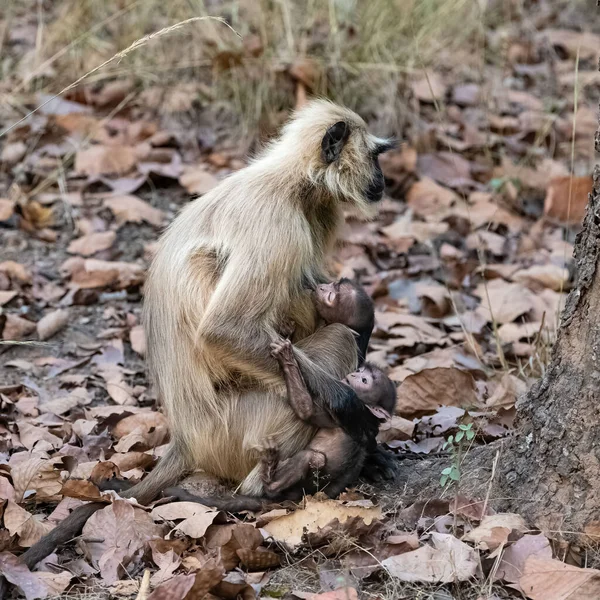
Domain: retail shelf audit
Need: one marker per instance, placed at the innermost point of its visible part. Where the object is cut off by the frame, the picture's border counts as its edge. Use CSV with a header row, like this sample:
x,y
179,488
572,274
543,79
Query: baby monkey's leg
x,y
281,476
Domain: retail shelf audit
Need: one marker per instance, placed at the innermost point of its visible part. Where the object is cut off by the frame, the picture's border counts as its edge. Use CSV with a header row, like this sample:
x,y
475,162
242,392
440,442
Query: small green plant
x,y
455,443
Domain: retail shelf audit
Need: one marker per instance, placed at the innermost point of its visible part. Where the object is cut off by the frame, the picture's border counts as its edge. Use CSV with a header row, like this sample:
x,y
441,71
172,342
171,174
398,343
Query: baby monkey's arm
x,y
298,395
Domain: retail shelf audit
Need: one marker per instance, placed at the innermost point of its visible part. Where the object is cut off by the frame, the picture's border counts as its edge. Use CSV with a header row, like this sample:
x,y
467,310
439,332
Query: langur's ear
x,y
333,141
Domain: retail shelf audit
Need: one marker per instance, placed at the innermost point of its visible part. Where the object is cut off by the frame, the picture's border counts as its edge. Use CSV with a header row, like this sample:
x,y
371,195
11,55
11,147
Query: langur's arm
x,y
238,324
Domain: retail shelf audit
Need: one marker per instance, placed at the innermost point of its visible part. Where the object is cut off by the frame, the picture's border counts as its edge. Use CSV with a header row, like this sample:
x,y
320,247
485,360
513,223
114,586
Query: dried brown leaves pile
x,y
468,264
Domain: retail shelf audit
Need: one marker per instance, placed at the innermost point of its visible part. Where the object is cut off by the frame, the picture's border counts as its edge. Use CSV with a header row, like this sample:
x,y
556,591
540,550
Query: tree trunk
x,y
549,472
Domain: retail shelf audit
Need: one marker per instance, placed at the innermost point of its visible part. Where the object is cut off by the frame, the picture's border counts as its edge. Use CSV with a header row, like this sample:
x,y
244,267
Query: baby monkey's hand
x,y
283,351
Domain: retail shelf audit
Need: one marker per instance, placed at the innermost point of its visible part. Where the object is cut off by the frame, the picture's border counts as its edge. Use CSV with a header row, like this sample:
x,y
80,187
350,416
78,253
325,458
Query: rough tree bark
x,y
552,468
549,472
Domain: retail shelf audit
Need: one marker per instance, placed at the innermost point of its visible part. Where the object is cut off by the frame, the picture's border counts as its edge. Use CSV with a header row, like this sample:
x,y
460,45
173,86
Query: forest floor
x,y
469,263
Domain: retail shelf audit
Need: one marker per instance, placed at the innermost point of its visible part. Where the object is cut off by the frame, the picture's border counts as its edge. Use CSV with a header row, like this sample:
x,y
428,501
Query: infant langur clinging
x,y
332,460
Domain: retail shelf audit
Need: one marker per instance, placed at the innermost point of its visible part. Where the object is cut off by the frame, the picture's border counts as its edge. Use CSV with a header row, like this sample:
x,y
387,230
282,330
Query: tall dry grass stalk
x,y
360,49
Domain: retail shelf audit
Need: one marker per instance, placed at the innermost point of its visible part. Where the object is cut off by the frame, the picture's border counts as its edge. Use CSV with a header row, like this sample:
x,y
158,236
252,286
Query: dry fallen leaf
x,y
91,243
119,533
52,323
16,271
131,209
167,562
84,490
37,474
7,209
144,430
38,584
38,216
40,437
584,44
430,88
429,389
176,588
94,273
290,529
514,332
448,560
395,428
430,200
132,460
567,198
196,180
112,92
229,539
196,517
483,209
543,276
137,339
147,419
507,392
6,296
406,228
512,565
448,168
363,563
16,328
258,559
13,152
30,528
106,160
7,491
548,579
503,302
466,94
494,530
66,402
435,299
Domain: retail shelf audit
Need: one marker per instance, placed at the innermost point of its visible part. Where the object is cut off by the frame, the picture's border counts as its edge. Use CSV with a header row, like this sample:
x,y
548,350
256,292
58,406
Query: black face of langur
x,y
347,303
374,192
331,148
375,389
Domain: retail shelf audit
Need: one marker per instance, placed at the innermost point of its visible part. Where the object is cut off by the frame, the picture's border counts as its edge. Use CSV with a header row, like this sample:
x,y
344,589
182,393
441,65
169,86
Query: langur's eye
x,y
364,380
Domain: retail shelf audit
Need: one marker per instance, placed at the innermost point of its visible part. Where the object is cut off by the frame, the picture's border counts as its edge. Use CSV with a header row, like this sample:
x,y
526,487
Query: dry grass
x,y
358,51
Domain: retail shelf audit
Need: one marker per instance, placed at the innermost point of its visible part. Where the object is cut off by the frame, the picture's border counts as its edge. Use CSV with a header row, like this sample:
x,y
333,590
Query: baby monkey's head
x,y
375,389
345,302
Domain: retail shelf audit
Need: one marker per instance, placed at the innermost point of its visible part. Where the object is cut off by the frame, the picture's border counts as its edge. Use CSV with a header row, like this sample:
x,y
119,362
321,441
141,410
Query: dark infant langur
x,y
332,460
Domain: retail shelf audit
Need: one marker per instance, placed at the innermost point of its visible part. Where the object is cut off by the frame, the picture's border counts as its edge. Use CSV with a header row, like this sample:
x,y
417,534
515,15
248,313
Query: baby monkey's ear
x,y
379,412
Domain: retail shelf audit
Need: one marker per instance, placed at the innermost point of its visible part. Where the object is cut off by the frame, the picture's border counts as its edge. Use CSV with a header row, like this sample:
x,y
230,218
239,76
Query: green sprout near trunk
x,y
455,444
